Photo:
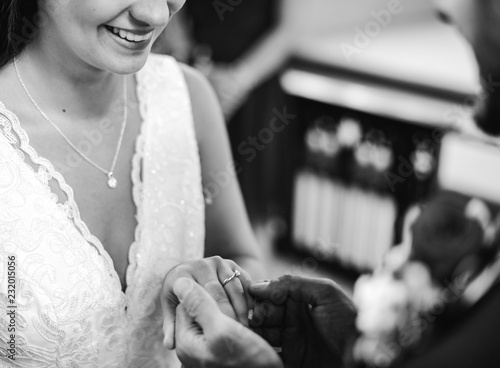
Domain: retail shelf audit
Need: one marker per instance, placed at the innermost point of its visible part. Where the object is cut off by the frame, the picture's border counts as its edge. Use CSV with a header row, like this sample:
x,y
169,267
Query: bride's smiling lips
x,y
131,39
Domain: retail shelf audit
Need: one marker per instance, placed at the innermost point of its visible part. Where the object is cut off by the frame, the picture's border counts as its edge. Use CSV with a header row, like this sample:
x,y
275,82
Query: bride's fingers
x,y
232,296
237,290
246,281
210,273
217,292
236,294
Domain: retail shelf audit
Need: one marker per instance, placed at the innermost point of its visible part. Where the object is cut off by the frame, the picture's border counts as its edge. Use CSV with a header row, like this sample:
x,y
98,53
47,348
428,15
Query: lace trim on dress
x,y
137,184
59,312
46,172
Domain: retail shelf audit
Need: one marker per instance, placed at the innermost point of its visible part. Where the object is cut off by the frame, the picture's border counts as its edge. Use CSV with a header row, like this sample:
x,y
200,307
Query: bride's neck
x,y
82,91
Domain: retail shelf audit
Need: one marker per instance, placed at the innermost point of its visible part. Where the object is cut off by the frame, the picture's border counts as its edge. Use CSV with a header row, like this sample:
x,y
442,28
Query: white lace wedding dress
x,y
71,311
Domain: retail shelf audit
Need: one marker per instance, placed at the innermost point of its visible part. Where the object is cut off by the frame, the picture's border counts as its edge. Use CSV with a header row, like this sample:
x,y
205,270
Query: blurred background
x,y
343,116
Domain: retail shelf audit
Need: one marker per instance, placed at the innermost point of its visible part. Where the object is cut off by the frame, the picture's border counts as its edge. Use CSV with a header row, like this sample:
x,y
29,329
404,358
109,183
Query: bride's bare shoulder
x,y
9,87
207,113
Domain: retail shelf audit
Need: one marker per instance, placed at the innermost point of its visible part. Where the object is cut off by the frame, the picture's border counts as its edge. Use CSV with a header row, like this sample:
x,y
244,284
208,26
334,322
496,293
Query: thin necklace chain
x,y
109,173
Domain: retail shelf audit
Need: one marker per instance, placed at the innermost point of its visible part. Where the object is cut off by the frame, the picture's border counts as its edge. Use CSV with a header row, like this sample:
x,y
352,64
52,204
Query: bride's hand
x,y
233,299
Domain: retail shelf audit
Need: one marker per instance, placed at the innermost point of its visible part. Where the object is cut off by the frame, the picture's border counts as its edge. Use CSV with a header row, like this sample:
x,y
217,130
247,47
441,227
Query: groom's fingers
x,y
273,335
294,338
313,291
267,314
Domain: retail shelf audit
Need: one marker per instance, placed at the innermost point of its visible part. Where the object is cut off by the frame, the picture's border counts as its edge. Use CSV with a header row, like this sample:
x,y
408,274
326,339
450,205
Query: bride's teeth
x,y
129,36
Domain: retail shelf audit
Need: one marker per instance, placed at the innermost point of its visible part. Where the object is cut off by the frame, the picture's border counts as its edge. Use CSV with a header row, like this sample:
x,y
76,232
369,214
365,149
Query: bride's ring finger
x,y
230,279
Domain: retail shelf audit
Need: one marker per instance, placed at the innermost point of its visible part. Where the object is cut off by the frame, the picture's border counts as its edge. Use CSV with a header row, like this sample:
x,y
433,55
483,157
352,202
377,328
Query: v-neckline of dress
x,y
70,206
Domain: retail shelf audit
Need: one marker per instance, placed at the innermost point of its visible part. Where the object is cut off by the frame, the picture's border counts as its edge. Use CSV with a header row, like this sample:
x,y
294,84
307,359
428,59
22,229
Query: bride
x,y
113,163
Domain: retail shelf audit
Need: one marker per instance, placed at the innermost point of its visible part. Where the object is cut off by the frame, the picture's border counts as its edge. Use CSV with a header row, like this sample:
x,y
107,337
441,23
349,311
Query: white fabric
x,y
71,310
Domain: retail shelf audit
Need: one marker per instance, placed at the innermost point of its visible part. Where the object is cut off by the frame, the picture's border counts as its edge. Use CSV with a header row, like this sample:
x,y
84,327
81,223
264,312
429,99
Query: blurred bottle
x,y
343,209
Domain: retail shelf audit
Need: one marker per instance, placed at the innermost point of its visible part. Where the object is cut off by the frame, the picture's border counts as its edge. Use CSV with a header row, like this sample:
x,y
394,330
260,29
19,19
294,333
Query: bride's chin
x,y
129,65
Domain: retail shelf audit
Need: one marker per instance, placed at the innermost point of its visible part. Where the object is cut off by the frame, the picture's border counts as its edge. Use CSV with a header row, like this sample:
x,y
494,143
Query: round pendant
x,y
112,182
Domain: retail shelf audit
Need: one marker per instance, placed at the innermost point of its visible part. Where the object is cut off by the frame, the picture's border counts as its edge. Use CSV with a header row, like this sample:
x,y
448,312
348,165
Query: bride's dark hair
x,y
17,27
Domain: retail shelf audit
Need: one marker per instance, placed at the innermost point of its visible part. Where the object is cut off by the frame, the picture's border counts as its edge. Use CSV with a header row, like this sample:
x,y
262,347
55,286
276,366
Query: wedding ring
x,y
235,274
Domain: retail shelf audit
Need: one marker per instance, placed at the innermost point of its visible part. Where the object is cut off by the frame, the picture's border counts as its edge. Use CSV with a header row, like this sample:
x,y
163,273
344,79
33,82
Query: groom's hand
x,y
311,319
206,337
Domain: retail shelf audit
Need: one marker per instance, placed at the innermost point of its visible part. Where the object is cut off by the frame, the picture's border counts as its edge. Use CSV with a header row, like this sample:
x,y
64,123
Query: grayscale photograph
x,y
249,183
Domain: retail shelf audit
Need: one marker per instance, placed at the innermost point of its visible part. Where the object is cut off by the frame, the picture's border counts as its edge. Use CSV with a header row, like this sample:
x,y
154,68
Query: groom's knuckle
x,y
278,296
290,282
268,309
286,280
